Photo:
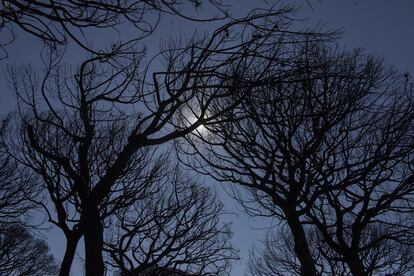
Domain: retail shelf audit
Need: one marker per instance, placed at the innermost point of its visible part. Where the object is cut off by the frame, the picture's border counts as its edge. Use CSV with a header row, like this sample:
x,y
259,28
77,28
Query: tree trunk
x,y
301,246
71,244
355,264
93,236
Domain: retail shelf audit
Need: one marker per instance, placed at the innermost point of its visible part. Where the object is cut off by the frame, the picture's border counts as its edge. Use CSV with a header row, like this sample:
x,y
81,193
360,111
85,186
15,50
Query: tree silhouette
x,y
22,254
321,140
17,186
58,22
330,145
175,227
95,133
277,255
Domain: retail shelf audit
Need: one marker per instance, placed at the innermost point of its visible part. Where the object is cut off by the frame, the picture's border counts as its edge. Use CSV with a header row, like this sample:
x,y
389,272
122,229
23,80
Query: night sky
x,y
381,27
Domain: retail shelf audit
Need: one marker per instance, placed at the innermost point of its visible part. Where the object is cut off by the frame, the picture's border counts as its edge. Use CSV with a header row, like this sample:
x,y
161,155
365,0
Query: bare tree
x,y
17,185
57,22
366,165
22,254
277,255
330,145
87,131
367,218
175,227
391,255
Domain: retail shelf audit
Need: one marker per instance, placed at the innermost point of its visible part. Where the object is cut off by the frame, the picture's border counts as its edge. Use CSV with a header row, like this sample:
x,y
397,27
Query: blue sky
x,y
381,27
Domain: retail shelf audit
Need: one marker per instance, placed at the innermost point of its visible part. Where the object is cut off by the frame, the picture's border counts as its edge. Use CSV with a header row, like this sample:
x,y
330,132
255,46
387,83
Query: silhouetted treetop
x,y
96,133
175,227
58,22
329,143
23,254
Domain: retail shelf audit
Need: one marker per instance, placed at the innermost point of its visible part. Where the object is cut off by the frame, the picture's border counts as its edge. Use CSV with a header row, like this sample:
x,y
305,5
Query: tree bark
x,y
93,236
71,244
301,246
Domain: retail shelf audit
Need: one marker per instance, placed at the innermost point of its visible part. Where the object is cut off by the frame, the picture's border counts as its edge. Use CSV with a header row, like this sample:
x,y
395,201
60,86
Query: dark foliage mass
x,y
318,139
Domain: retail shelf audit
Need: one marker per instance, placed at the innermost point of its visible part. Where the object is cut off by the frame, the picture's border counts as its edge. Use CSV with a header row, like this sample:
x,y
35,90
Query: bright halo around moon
x,y
200,129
